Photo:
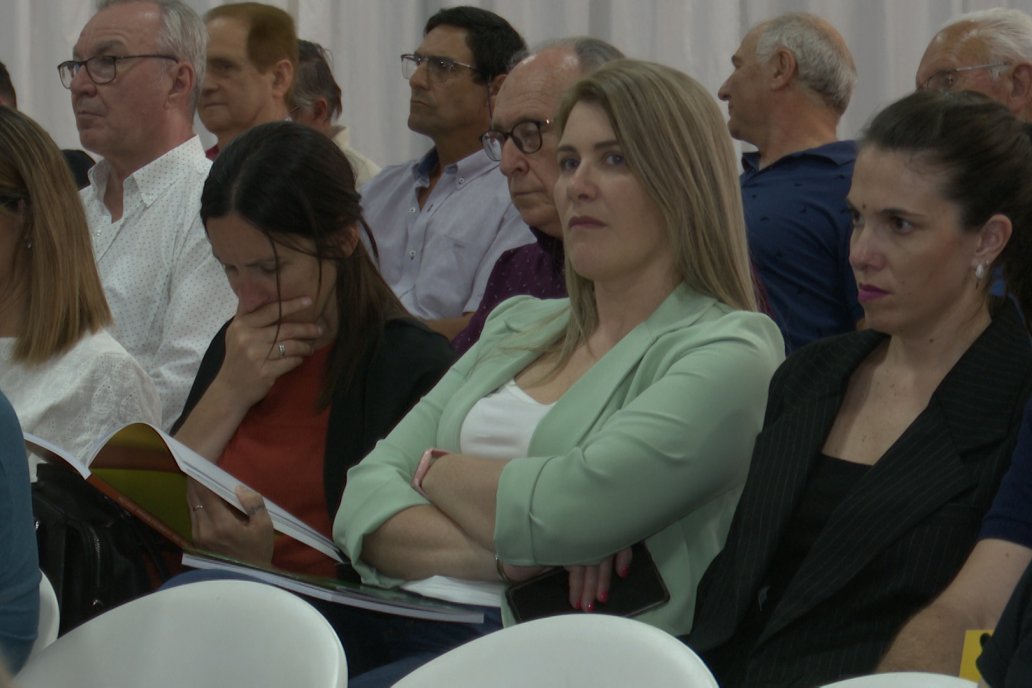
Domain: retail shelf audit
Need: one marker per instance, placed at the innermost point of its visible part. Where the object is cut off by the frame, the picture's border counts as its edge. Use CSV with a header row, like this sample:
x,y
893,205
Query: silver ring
x,y
197,507
282,350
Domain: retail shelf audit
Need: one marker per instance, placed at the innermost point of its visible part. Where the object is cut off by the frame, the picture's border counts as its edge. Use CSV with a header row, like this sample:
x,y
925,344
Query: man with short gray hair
x,y
134,81
989,51
316,101
792,80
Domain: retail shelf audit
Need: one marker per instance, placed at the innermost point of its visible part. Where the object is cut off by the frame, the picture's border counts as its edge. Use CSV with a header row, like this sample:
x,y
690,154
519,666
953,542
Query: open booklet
x,y
343,591
145,471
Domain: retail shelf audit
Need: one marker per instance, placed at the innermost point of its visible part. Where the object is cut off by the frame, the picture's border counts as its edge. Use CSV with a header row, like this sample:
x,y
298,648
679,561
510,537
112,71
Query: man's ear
x,y
321,110
783,69
496,83
1018,100
282,78
992,239
183,80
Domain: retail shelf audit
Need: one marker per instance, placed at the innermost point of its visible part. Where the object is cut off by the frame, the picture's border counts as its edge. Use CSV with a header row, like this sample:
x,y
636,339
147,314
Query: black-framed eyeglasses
x,y
101,69
946,79
439,68
526,135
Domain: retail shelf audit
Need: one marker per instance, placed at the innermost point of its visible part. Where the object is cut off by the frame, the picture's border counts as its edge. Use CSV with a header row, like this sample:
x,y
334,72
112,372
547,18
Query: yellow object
x,y
972,649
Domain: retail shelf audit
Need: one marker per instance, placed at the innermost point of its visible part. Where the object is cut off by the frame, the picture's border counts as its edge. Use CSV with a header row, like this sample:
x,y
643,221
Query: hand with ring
x,y
221,528
260,347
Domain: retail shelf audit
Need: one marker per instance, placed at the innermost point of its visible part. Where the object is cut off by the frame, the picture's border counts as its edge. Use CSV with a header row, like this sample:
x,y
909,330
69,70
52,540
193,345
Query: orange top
x,y
278,451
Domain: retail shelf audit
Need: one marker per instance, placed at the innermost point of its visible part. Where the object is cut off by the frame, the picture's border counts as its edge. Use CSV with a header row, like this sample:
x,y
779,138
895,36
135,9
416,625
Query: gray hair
x,y
1005,33
183,34
314,79
591,52
825,64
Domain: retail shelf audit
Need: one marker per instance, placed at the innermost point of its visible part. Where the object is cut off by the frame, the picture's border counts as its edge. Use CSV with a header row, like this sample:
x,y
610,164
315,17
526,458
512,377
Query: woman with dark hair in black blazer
x,y
881,450
321,359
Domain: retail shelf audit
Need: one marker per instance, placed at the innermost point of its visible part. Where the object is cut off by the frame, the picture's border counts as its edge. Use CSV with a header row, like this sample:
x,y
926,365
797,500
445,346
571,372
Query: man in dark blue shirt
x,y
792,80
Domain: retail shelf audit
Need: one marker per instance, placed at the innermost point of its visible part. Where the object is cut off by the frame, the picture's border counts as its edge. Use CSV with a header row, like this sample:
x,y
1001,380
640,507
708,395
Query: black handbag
x,y
94,552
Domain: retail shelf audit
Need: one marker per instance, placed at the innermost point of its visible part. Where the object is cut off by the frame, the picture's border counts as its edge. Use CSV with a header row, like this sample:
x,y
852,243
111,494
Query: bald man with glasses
x,y
523,138
442,221
990,52
134,81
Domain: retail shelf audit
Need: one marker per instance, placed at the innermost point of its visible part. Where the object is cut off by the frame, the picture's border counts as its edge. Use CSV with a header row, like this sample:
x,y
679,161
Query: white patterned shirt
x,y
167,293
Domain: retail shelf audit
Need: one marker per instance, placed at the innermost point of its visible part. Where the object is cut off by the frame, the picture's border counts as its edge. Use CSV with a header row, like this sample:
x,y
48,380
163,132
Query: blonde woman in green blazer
x,y
645,389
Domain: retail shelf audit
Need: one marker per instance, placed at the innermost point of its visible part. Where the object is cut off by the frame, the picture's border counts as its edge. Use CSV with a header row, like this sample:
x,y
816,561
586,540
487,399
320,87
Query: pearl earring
x,y
980,272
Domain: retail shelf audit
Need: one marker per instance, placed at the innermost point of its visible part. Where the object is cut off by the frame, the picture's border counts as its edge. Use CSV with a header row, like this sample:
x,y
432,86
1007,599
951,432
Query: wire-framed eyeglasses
x,y
946,79
102,69
526,135
439,68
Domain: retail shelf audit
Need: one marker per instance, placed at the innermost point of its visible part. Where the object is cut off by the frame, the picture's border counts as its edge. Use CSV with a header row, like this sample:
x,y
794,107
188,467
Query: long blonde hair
x,y
65,298
675,141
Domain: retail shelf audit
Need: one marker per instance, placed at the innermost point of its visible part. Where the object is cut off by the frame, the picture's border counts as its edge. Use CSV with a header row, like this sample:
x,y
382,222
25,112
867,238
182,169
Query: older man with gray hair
x,y
315,100
792,80
989,51
134,78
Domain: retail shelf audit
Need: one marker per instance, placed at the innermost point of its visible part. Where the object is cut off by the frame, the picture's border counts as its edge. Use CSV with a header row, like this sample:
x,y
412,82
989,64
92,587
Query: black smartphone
x,y
549,593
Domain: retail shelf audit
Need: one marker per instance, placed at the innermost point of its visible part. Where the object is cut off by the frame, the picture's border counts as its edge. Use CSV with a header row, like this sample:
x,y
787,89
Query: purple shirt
x,y
534,269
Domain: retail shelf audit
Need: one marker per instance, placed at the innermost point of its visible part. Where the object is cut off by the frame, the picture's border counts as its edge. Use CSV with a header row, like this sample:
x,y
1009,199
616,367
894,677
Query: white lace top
x,y
75,399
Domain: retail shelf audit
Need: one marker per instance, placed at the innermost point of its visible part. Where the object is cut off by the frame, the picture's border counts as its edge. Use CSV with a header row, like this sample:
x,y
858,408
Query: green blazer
x,y
652,443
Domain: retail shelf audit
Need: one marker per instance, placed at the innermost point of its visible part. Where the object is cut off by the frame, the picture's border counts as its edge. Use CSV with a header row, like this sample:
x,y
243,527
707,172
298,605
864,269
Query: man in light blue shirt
x,y
441,222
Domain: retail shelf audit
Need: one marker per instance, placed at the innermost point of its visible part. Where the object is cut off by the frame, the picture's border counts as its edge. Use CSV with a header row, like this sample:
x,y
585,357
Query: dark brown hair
x,y
290,182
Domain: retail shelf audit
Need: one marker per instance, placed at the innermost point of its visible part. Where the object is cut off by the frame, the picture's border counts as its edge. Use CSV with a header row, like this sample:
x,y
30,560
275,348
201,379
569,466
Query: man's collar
x,y
838,152
152,178
470,166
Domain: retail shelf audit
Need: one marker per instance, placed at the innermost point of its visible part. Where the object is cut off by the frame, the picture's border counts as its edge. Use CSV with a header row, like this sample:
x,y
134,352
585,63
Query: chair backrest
x,y
218,633
573,650
903,679
49,615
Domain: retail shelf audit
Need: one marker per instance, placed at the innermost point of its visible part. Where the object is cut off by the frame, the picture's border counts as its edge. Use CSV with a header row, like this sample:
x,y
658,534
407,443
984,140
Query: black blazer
x,y
895,541
409,361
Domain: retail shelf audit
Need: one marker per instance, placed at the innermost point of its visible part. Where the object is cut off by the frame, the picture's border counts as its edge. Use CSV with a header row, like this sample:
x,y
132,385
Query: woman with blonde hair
x,y
68,380
578,427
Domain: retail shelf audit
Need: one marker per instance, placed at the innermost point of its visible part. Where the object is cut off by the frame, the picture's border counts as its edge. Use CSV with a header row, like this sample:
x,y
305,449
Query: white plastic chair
x,y
212,634
49,615
903,679
573,650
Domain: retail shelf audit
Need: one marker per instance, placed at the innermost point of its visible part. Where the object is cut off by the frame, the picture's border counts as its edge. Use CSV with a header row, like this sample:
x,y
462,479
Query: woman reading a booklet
x,y
578,427
68,380
321,359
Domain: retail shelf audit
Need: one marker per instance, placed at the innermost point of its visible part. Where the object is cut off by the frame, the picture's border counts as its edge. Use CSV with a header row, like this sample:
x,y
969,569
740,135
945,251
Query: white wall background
x,y
887,38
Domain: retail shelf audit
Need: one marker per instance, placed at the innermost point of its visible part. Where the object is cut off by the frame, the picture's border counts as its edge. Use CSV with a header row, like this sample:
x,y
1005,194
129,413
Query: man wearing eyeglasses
x,y
252,59
793,77
523,137
134,83
441,222
988,51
